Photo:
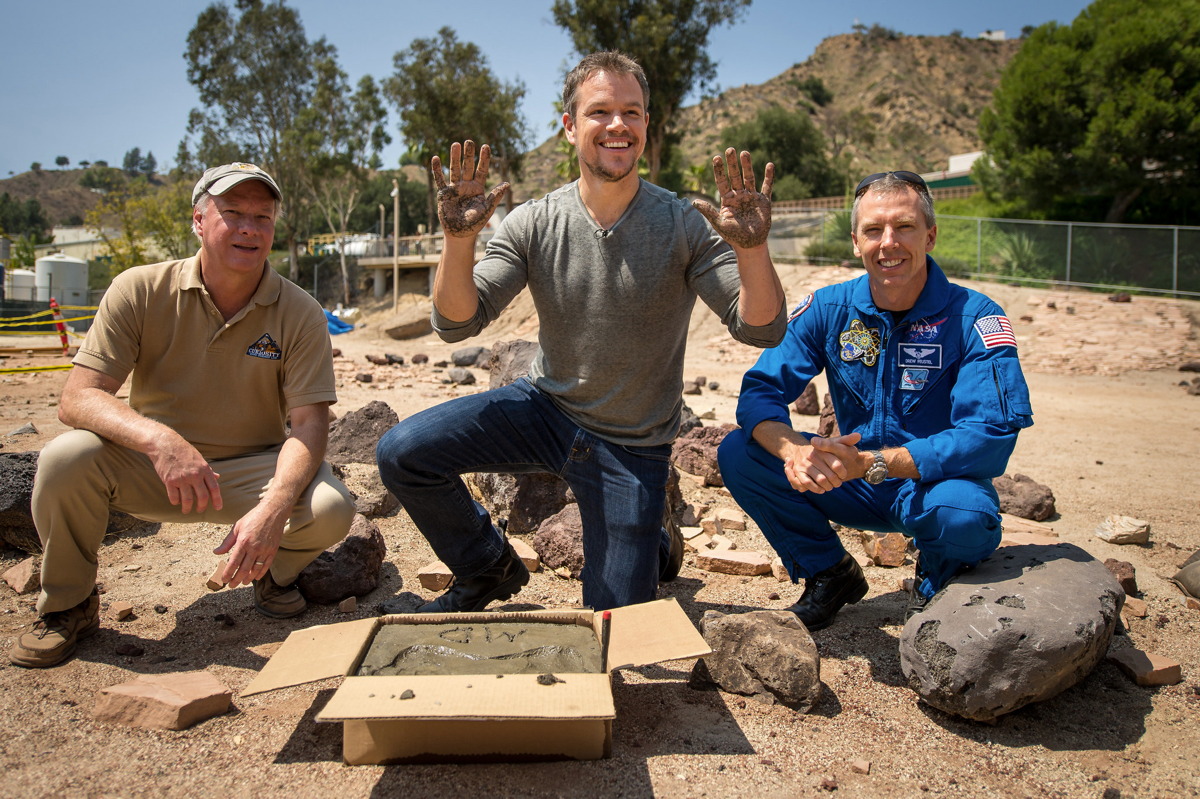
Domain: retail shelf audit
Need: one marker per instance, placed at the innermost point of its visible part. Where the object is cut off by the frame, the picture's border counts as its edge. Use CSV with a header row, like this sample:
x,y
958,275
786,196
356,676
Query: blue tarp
x,y
336,325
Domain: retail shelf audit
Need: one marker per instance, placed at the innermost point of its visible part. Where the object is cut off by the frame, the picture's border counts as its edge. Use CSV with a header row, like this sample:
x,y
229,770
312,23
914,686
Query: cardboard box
x,y
395,719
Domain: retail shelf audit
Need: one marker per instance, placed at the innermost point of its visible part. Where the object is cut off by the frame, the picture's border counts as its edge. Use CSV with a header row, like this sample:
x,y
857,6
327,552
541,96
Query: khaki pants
x,y
81,476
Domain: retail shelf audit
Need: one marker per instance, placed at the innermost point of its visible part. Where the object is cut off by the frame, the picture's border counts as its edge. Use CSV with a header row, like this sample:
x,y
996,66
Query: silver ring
x,y
259,562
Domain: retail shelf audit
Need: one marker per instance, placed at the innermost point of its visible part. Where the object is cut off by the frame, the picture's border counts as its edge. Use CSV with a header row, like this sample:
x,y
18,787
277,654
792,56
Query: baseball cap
x,y
219,179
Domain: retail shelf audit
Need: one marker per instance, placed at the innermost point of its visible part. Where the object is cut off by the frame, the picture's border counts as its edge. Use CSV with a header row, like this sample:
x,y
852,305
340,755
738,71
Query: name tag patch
x,y
926,356
265,347
913,379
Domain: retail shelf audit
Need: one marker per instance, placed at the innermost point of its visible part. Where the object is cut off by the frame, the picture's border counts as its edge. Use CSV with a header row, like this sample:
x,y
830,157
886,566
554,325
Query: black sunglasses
x,y
911,178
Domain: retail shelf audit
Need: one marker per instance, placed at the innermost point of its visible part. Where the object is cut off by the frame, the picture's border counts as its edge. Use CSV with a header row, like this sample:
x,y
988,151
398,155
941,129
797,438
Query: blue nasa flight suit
x,y
941,380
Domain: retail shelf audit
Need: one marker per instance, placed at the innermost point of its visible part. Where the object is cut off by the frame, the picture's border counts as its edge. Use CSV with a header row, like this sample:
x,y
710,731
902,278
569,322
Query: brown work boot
x,y
277,601
55,635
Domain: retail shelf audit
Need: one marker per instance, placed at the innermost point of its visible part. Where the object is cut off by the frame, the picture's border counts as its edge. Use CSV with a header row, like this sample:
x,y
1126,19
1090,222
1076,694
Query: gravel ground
x,y
1105,737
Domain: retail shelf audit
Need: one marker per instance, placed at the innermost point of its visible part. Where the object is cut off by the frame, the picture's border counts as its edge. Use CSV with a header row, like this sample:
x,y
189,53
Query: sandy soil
x,y
1114,433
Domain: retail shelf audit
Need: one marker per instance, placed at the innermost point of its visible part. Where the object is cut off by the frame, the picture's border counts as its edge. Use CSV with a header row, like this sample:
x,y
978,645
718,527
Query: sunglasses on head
x,y
911,178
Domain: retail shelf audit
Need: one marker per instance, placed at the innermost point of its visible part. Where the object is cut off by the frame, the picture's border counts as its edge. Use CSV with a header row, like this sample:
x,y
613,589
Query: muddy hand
x,y
465,204
744,219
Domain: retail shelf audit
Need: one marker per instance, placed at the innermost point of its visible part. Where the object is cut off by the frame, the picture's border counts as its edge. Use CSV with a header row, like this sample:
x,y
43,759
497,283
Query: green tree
x,y
669,38
445,92
140,225
62,161
148,165
26,219
253,68
1098,119
36,166
104,178
792,142
132,163
342,133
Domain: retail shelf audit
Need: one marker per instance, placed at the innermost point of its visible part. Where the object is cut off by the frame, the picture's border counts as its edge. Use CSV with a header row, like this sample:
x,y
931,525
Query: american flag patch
x,y
996,331
801,308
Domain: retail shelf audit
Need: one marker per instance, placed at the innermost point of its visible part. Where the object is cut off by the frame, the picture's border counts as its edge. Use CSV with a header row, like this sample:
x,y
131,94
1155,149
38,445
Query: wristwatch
x,y
877,471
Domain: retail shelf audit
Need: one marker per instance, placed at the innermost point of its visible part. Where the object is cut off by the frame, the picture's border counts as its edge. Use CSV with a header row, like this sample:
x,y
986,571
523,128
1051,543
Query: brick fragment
x,y
730,519
348,605
698,543
1146,668
862,560
1016,524
780,571
1014,539
121,610
860,766
25,577
724,561
435,576
723,542
1134,607
1125,574
215,583
527,554
163,701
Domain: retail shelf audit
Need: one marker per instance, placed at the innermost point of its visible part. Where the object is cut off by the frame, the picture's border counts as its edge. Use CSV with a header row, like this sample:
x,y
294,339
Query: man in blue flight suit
x,y
929,397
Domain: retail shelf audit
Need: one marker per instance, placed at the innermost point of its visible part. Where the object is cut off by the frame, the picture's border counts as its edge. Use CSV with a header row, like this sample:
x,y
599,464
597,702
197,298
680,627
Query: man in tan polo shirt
x,y
227,420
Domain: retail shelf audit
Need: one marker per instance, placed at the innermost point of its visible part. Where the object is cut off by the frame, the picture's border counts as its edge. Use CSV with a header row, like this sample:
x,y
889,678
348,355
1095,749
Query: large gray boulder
x,y
1024,625
768,655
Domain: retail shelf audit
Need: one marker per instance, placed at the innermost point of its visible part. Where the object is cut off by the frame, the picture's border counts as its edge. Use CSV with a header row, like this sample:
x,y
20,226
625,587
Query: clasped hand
x,y
824,464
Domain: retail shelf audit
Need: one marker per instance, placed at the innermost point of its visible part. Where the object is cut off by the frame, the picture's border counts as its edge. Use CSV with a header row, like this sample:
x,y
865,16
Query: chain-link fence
x,y
1155,259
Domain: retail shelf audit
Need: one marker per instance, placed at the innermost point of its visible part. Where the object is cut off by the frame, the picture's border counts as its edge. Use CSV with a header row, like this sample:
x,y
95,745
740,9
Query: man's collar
x,y
269,285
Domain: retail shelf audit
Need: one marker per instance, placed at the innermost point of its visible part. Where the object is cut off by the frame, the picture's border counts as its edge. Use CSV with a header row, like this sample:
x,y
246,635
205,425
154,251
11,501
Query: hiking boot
x,y
668,570
55,635
277,601
499,581
825,593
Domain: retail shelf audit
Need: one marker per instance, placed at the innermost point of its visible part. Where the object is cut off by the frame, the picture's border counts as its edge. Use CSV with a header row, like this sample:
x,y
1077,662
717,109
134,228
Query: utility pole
x,y
395,245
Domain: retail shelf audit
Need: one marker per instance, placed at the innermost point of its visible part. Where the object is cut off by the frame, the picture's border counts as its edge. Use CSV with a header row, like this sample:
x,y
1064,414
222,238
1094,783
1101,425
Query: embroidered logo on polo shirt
x,y
265,347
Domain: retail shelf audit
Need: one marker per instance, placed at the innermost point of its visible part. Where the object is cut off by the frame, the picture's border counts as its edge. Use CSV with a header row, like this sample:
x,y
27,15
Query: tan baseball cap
x,y
219,179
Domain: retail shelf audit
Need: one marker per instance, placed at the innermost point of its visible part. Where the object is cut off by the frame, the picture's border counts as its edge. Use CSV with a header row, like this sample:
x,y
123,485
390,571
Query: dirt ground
x,y
1114,434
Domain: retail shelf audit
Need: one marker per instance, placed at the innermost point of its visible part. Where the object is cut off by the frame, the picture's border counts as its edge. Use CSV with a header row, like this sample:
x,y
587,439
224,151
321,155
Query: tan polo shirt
x,y
226,387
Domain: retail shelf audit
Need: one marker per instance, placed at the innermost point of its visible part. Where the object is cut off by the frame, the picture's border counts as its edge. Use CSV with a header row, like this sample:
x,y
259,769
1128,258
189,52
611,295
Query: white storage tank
x,y
20,285
62,277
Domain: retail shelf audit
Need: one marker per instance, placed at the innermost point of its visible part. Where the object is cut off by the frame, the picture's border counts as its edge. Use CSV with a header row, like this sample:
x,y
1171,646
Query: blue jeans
x,y
621,490
953,522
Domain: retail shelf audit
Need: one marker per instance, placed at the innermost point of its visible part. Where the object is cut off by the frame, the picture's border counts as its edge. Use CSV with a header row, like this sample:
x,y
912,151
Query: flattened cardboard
x,y
652,632
314,653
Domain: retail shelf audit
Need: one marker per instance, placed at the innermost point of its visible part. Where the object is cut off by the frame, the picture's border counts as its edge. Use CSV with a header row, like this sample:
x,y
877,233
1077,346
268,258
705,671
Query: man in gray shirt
x,y
614,265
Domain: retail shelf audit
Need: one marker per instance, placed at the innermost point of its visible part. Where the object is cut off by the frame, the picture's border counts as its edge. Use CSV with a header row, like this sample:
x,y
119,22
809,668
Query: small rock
x,y
122,610
26,429
723,542
364,377
1125,574
780,571
469,356
697,543
1146,668
160,608
25,577
132,567
404,602
730,519
692,391
713,385
885,549
1123,530
420,358
129,650
460,376
860,766
527,554
348,605
163,701
1134,607
435,576
724,561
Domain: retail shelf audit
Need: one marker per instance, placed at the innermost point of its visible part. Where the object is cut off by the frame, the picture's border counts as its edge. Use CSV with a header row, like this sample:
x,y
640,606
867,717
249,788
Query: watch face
x,y
876,474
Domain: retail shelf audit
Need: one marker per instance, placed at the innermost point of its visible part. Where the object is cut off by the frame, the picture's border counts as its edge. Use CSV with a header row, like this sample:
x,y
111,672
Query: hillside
x,y
908,102
57,190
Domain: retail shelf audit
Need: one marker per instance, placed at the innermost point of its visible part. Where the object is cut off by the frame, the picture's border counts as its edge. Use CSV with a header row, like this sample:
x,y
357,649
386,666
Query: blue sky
x,y
93,80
